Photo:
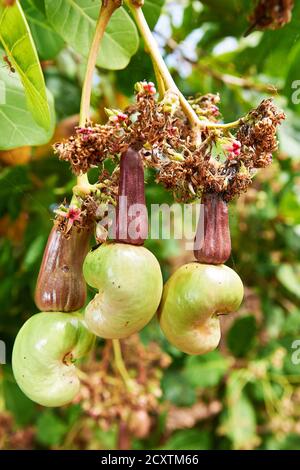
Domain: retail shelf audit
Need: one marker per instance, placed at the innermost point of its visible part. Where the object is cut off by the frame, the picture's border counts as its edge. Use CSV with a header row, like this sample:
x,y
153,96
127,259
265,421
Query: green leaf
x,y
16,402
47,41
50,429
13,181
207,370
283,442
190,439
289,276
241,336
19,46
289,207
75,21
34,252
238,422
18,127
177,389
152,10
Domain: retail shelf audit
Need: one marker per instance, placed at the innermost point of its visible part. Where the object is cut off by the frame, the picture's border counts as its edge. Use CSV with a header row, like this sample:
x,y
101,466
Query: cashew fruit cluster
x,y
130,289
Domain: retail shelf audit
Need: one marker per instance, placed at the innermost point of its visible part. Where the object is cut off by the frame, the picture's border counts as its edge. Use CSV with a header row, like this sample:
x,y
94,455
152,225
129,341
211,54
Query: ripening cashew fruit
x,y
129,281
126,274
44,353
194,296
197,293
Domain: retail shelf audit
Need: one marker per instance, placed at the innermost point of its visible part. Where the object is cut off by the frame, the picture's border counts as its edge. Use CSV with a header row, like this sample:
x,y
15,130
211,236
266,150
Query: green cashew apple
x,y
193,298
44,353
129,282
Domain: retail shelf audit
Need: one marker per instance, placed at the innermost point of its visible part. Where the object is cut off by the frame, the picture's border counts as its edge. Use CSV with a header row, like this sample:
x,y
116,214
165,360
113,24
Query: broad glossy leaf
x,y
18,126
47,41
17,41
75,21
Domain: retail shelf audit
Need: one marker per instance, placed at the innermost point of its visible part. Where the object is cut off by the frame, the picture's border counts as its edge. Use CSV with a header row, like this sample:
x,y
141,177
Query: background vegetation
x,y
246,394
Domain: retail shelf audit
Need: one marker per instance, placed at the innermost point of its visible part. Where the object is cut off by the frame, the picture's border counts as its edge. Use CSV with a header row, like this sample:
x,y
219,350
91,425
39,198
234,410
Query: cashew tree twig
x,y
228,79
108,7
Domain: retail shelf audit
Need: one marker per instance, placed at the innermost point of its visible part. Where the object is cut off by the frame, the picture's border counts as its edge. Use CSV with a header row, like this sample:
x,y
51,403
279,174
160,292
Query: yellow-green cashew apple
x,y
129,282
193,298
44,353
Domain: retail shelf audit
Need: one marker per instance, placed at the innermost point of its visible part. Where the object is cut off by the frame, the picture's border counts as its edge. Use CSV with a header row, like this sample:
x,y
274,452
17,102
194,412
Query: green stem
x,y
162,69
120,364
107,9
216,125
159,80
155,54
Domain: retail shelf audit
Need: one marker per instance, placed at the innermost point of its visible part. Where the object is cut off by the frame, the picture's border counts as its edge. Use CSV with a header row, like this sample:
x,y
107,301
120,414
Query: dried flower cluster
x,y
104,397
257,132
79,217
206,106
271,14
222,163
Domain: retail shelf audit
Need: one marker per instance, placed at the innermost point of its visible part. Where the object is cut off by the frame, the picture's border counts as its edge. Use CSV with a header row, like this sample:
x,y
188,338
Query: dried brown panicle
x,y
103,394
206,106
257,133
223,163
271,14
147,123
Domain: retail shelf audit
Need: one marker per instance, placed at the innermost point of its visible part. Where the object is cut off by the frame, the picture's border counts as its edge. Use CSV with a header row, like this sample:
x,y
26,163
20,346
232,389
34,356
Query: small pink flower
x,y
114,118
122,116
233,147
236,144
84,130
73,214
149,88
214,110
118,117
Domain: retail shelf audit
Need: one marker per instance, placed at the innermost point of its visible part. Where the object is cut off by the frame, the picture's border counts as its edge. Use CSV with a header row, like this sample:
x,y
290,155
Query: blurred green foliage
x,y
252,376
